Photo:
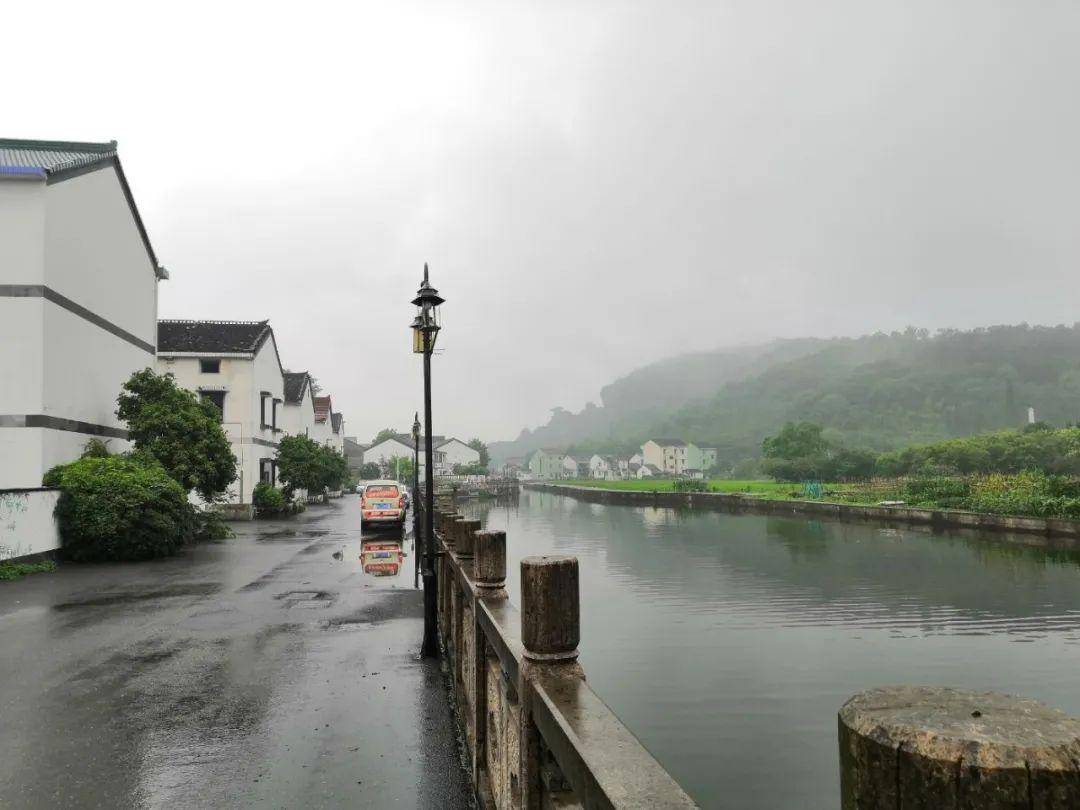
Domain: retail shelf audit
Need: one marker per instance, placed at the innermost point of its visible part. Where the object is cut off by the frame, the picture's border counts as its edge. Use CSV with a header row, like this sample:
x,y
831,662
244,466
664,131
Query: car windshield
x,y
381,492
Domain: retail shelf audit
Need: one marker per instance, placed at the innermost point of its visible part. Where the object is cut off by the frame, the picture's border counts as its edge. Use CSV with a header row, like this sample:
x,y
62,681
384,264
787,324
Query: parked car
x,y
382,504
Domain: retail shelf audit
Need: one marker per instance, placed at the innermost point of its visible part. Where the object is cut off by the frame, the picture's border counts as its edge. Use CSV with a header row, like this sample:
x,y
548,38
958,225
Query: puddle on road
x,y
140,595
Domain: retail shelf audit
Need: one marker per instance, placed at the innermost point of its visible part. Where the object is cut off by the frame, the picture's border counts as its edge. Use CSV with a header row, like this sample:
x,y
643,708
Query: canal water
x,y
727,643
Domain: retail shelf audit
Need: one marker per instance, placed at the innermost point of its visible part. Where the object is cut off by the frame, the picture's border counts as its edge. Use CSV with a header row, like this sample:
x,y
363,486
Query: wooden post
x,y
489,559
550,632
465,539
550,608
928,747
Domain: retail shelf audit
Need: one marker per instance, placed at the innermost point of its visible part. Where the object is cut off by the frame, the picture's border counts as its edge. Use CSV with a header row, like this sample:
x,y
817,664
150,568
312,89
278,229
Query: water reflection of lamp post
x,y
425,328
416,495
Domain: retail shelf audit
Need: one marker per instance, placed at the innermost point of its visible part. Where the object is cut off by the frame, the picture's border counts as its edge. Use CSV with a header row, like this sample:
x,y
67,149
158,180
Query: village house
x,y
235,365
457,453
647,471
576,466
708,458
547,464
323,429
354,454
672,456
603,467
337,427
298,415
78,302
401,446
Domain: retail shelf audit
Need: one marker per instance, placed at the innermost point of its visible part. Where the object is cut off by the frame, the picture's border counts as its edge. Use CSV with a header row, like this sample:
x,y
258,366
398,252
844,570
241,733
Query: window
x,y
266,471
210,366
273,414
263,396
217,398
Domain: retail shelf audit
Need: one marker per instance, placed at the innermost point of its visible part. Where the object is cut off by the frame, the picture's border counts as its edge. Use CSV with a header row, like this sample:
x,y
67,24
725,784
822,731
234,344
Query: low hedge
x,y
120,508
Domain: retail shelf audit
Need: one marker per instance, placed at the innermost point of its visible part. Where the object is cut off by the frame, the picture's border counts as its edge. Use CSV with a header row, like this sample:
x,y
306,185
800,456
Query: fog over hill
x,y
878,391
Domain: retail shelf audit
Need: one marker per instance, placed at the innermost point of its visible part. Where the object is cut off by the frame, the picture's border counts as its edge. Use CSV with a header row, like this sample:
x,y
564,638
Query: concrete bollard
x,y
925,746
489,559
456,531
550,608
447,530
466,538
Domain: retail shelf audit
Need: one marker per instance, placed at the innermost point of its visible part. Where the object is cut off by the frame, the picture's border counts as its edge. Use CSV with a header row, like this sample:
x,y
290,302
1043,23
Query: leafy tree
x,y
482,449
182,433
300,463
369,471
306,464
400,467
384,434
796,440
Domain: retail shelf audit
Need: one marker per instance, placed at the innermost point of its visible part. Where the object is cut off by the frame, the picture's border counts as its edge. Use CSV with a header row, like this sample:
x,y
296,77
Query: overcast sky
x,y
596,185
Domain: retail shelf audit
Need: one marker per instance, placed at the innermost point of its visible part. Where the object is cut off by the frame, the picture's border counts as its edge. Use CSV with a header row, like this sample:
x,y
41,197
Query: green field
x,y
774,489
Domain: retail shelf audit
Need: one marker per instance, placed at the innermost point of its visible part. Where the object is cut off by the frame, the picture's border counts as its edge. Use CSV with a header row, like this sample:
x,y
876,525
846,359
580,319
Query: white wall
x,y
94,254
27,525
299,420
457,452
242,378
79,238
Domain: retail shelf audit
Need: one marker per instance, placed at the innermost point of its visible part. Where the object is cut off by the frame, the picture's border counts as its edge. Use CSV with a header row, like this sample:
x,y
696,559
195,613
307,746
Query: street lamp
x,y
425,327
416,496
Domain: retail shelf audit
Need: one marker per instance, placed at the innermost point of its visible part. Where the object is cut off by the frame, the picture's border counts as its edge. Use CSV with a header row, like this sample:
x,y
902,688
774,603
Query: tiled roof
x,y
669,442
43,158
212,337
322,408
335,421
295,384
53,160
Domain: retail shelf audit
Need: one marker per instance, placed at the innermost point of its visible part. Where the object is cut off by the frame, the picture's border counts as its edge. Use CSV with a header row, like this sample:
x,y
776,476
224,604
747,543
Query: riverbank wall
x,y
1053,532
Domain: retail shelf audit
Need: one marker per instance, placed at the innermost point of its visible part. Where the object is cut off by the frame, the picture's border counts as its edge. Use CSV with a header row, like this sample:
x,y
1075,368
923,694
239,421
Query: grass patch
x,y
10,570
775,489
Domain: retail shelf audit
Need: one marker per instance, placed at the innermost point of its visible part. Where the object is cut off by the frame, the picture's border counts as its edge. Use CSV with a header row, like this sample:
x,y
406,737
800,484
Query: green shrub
x,y
120,508
268,499
943,491
690,485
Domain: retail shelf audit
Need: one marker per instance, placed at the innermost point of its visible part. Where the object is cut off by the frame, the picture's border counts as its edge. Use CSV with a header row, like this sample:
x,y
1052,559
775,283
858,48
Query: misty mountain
x,y
877,391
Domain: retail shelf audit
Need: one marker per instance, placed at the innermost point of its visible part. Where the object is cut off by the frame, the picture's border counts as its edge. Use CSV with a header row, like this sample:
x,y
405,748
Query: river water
x,y
727,643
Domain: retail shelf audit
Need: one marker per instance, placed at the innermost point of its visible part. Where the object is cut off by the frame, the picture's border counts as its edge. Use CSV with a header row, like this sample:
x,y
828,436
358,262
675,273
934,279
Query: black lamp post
x,y
416,496
425,328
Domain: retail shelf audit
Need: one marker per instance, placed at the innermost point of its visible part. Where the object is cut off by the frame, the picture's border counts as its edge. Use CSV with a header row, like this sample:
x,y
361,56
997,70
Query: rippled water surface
x,y
727,643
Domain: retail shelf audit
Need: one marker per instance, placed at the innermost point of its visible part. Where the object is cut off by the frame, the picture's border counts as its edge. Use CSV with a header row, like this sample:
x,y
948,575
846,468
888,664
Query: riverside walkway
x,y
267,670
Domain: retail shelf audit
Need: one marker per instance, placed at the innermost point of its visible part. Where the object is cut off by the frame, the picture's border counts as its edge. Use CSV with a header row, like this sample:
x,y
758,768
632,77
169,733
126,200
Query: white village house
x,y
323,429
298,416
78,302
455,452
235,365
548,464
673,456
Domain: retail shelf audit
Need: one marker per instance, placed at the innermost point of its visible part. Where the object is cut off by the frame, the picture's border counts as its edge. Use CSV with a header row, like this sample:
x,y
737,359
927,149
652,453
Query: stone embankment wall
x,y
28,530
536,735
1057,532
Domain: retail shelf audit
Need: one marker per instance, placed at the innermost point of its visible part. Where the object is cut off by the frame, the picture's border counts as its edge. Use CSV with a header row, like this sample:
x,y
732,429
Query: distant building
x,y
323,429
547,464
672,456
298,416
457,453
354,454
337,427
708,458
78,302
235,365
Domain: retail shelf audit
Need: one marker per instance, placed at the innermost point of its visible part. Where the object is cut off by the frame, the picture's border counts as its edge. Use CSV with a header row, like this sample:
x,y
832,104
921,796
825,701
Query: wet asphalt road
x,y
268,670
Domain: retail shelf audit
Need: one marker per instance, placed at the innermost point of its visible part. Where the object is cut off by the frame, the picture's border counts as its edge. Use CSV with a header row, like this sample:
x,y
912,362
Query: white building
x,y
547,464
455,453
298,415
672,456
235,365
323,429
401,447
337,430
78,302
599,467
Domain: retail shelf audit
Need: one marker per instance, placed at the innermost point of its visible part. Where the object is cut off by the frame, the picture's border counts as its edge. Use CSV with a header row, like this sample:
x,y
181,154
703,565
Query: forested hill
x,y
878,392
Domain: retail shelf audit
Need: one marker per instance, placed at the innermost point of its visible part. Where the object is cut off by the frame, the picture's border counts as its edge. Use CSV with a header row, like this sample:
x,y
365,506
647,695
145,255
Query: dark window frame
x,y
214,396
209,361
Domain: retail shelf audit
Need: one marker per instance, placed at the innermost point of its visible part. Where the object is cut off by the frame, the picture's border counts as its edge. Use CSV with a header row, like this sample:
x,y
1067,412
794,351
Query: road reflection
x,y
382,558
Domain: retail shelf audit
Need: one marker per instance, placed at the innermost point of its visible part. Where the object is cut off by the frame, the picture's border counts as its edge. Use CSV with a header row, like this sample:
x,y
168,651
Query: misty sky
x,y
596,185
